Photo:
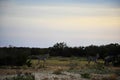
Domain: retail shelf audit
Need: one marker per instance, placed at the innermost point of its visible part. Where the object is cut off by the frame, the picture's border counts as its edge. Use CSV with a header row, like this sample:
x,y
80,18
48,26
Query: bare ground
x,y
47,74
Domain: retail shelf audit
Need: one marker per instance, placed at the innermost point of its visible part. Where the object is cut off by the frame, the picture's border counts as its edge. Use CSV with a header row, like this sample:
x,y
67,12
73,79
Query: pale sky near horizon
x,y
42,23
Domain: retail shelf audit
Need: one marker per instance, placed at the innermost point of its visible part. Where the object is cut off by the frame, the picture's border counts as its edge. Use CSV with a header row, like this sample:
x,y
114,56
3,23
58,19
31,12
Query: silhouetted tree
x,y
59,49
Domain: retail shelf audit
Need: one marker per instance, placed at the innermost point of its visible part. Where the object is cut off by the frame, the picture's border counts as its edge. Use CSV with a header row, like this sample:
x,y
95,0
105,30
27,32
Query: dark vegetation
x,y
19,56
26,76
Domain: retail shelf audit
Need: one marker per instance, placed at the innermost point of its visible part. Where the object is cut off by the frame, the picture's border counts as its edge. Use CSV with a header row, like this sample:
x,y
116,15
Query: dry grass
x,y
58,65
58,71
110,77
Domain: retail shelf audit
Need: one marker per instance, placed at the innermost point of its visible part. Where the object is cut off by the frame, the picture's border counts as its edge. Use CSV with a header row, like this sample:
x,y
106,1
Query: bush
x,y
97,69
14,56
99,66
28,63
85,75
117,61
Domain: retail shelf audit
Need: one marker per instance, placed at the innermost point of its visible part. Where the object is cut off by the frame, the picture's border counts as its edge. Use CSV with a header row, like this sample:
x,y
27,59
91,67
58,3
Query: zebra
x,y
39,58
42,57
111,59
108,60
92,58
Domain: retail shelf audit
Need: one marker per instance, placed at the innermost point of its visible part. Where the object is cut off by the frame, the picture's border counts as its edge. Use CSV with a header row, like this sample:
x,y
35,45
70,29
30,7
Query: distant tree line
x,y
61,49
19,55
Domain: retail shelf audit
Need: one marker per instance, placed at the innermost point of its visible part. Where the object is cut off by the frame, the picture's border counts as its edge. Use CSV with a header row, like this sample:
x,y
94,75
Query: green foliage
x,y
17,56
116,61
28,63
99,66
13,56
92,50
27,76
85,75
97,69
59,49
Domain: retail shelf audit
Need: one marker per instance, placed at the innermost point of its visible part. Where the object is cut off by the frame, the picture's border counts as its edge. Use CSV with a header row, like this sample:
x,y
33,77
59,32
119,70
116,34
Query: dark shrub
x,y
14,56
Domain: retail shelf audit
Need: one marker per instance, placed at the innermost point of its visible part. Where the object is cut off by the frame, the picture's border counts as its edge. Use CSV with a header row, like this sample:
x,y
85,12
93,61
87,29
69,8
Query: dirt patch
x,y
47,73
15,71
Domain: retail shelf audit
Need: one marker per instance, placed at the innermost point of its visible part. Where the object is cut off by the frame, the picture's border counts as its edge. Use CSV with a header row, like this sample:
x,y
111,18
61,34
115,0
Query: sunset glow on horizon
x,y
38,23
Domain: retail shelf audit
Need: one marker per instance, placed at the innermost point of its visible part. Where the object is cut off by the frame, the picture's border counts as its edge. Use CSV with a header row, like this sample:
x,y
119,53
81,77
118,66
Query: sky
x,y
42,23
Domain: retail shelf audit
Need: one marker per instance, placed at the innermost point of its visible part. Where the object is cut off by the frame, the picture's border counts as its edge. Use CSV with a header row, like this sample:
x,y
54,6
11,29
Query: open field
x,y
59,68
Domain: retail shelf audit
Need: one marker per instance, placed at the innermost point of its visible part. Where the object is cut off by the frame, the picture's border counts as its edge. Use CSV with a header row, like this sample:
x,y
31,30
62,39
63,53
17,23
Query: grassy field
x,y
59,61
74,65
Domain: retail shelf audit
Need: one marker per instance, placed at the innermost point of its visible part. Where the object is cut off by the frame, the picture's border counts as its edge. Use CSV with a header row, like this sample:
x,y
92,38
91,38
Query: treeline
x,y
19,55
61,49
